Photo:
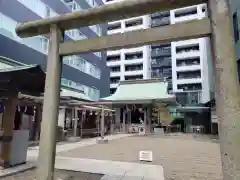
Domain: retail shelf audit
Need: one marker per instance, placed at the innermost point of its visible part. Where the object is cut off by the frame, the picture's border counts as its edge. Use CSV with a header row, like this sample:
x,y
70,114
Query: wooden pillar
x,y
124,122
145,118
102,123
227,88
149,120
98,123
75,132
6,133
47,151
37,123
111,126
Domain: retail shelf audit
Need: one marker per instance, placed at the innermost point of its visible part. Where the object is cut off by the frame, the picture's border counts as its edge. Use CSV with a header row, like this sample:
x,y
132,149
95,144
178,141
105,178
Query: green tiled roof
x,y
141,90
74,94
17,68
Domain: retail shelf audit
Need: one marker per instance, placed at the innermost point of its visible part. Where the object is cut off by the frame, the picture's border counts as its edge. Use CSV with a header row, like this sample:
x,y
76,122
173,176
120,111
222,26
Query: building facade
x,y
86,73
128,64
192,70
235,9
161,60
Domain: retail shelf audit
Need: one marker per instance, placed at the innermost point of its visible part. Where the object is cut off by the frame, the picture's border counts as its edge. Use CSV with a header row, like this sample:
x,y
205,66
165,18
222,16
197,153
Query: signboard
x,y
146,156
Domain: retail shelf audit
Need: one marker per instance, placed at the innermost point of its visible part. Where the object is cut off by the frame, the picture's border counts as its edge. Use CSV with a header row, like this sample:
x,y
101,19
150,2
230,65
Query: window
x,y
44,44
92,3
48,12
135,22
235,27
186,12
99,54
97,29
114,26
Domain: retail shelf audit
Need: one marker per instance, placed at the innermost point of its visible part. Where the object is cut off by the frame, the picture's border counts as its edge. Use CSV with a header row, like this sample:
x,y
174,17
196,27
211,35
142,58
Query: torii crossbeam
x,y
218,26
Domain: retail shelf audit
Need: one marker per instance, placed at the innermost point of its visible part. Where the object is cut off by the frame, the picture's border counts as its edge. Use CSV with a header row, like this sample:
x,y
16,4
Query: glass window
x,y
48,12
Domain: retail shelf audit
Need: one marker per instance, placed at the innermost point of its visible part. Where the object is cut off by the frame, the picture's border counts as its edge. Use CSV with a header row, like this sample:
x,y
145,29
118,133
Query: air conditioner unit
x,y
141,131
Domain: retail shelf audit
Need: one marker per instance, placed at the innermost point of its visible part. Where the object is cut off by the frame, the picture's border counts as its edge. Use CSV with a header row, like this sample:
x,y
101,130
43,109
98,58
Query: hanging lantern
x,y
110,113
91,113
106,113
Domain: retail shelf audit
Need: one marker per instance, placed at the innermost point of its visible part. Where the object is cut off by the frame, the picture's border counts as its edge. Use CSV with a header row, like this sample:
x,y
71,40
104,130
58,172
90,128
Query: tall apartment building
x,y
86,74
192,72
186,63
128,64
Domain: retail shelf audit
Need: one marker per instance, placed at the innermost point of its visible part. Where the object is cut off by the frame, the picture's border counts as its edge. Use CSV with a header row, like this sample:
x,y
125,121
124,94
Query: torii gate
x,y
218,26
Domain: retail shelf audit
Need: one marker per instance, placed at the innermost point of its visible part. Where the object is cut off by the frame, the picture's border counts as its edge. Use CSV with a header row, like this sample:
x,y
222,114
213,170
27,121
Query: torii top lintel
x,y
106,13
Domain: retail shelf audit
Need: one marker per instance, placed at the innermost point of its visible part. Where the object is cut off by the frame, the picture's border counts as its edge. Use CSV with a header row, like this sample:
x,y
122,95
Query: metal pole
x,y
227,88
47,149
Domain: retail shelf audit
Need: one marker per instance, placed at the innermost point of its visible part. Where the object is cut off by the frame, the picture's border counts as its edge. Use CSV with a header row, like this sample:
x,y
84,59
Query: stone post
x,y
227,88
6,133
46,159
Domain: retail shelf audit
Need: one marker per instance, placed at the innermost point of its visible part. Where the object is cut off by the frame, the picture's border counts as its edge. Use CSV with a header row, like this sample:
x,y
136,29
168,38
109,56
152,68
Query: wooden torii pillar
x,y
219,25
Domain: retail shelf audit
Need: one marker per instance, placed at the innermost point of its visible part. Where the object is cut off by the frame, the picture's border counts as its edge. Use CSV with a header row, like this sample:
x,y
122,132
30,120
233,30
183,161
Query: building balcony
x,y
161,62
160,52
160,14
188,68
133,73
113,63
189,98
114,85
188,54
156,74
115,74
132,62
160,22
188,82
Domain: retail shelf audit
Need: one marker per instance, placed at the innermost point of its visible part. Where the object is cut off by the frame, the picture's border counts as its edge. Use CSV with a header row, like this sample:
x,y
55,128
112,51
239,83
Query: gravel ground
x,y
183,157
59,175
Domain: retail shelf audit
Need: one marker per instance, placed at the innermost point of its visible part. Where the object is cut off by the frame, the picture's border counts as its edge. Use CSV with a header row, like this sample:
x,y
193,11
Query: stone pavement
x,y
32,153
113,170
183,157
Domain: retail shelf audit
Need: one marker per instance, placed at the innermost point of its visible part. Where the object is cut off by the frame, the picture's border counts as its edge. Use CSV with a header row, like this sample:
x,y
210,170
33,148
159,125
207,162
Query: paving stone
x,y
112,177
59,175
132,178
